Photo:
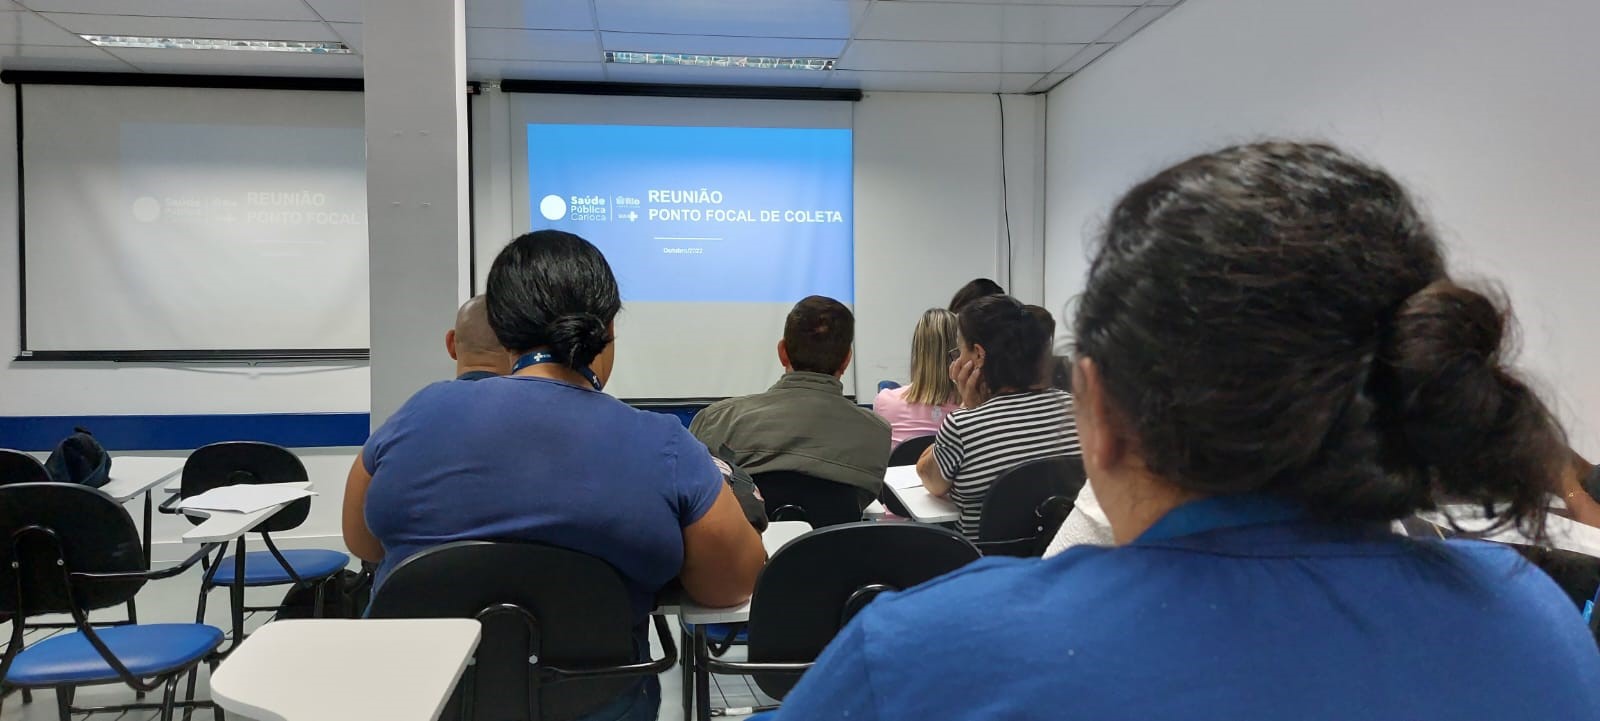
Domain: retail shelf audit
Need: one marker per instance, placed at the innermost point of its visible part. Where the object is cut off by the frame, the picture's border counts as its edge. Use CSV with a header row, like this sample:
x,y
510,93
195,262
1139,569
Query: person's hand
x,y
968,377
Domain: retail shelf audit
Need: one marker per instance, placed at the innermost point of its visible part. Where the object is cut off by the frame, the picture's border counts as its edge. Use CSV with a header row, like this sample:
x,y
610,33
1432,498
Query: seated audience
x,y
804,423
472,345
917,409
1251,457
1009,413
973,290
542,455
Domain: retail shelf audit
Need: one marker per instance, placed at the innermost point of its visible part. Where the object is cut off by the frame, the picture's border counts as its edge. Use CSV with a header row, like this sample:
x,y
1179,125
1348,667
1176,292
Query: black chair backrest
x,y
19,467
80,527
907,453
1577,574
823,502
814,585
582,619
1012,509
234,462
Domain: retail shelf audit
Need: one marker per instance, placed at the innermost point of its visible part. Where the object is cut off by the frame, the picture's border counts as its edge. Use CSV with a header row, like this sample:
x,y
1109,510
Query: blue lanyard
x,y
540,357
1209,514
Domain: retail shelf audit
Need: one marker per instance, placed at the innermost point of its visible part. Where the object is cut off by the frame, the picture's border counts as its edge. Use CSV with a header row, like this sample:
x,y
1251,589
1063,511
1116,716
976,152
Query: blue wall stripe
x,y
188,432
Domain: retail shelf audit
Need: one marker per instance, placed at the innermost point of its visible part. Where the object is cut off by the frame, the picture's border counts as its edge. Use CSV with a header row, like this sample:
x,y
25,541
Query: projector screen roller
x,y
194,220
716,215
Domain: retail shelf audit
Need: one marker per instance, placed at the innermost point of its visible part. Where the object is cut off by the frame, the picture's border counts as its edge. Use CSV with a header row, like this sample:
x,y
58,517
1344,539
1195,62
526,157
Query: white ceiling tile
x,y
507,44
956,57
869,80
241,63
525,70
750,18
25,28
338,11
530,14
968,22
235,9
350,33
686,75
1084,57
192,27
1134,23
52,57
724,45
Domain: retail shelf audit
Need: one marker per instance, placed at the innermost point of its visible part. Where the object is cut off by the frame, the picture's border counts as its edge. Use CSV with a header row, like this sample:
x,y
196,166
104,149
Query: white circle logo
x,y
147,210
553,207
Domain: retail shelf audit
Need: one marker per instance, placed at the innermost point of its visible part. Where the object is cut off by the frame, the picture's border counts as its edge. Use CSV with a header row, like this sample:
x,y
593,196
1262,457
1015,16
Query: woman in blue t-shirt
x,y
1272,365
543,455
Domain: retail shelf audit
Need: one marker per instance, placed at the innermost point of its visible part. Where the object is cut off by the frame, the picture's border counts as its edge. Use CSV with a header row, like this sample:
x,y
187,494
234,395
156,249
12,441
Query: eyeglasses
x,y
954,354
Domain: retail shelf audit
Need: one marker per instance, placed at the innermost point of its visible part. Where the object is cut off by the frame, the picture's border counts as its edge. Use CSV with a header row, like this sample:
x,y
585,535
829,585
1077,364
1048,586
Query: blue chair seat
x,y
147,650
716,632
261,569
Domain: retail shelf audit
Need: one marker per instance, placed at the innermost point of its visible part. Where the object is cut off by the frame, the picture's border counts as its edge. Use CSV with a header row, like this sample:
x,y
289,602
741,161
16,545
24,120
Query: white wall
x,y
55,389
928,211
1487,110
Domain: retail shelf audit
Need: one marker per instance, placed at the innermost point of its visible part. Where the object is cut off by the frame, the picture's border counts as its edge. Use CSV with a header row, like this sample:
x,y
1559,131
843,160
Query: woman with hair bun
x,y
1272,365
544,456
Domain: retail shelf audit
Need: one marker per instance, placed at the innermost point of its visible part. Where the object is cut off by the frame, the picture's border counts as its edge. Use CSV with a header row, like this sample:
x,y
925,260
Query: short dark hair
x,y
1012,337
818,334
1277,318
973,290
550,289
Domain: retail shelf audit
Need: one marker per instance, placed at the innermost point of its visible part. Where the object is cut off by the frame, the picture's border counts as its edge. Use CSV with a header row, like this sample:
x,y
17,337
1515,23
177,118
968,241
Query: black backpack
x,y
744,488
345,596
80,459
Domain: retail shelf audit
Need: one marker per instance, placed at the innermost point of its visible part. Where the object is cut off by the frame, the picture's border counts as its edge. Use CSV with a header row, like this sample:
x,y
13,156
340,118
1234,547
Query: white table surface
x,y
133,475
1564,533
346,670
923,506
221,526
778,533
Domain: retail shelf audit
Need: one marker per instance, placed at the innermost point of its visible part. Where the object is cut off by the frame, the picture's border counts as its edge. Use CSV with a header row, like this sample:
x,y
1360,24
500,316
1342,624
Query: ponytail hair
x,y
1278,318
553,290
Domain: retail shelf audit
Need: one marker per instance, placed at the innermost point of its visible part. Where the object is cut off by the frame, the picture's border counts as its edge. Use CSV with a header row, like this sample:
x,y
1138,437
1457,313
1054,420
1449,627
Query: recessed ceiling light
x,y
719,61
315,47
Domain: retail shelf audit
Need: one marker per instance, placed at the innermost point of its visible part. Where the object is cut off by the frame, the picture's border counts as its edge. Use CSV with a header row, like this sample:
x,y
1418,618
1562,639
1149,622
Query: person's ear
x,y
1099,432
783,355
848,356
979,352
450,343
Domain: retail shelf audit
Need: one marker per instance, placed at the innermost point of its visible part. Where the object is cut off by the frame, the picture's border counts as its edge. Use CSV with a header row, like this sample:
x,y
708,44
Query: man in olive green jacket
x,y
804,423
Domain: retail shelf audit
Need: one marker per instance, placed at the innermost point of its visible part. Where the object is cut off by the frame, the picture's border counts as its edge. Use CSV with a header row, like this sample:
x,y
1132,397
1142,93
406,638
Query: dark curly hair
x,y
551,289
1278,318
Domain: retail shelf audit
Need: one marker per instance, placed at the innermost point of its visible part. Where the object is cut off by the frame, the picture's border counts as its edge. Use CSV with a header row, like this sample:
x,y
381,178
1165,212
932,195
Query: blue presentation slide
x,y
696,214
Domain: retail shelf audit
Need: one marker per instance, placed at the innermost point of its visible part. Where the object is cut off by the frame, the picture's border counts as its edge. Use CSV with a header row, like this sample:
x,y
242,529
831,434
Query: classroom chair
x,y
1027,504
19,467
558,630
794,496
813,586
66,548
235,462
905,454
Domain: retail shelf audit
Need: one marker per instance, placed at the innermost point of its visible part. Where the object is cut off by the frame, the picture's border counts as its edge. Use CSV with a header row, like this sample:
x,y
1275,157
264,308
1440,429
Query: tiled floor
x,y
173,600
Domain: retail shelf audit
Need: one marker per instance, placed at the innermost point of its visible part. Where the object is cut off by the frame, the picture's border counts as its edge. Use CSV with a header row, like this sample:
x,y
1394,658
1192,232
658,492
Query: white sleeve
x,y
1087,525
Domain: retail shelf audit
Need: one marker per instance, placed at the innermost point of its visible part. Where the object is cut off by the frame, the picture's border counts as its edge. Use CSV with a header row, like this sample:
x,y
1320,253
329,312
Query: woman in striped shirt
x,y
1009,412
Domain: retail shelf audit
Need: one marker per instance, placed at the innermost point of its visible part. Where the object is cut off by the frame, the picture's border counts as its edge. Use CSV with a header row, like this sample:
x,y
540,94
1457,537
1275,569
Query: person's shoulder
x,y
985,580
890,397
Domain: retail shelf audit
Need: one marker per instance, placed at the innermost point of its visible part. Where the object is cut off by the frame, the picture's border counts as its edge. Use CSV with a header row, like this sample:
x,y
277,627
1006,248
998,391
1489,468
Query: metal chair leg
x,y
167,697
64,703
236,594
27,695
702,675
216,708
686,669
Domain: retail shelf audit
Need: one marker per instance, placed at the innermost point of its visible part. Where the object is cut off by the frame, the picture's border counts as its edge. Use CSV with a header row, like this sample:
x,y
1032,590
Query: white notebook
x,y
245,498
901,477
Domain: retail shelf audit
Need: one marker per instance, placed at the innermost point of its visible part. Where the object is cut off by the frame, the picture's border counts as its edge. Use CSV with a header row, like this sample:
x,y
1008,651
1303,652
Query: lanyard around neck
x,y
540,357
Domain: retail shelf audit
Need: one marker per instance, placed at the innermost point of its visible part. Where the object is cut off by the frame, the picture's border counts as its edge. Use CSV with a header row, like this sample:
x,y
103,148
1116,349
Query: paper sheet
x,y
902,477
246,498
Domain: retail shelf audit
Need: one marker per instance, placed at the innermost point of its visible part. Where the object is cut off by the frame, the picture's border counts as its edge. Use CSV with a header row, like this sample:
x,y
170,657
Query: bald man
x,y
472,344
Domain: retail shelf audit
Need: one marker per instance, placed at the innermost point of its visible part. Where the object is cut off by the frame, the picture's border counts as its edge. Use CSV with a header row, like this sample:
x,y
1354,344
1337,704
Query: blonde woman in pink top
x,y
917,409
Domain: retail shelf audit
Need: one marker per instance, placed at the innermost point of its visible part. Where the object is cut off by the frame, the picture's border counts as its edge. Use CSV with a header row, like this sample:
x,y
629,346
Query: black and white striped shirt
x,y
976,445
